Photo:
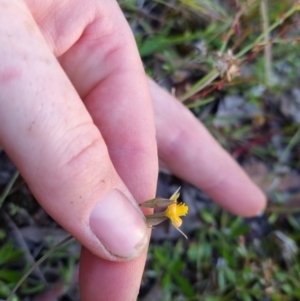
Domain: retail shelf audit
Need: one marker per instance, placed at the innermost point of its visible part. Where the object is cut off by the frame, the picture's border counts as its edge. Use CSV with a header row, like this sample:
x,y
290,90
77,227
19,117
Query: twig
x,y
268,45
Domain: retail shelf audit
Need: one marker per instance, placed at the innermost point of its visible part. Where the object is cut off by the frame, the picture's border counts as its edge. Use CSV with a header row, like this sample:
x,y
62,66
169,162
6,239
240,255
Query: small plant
x,y
174,210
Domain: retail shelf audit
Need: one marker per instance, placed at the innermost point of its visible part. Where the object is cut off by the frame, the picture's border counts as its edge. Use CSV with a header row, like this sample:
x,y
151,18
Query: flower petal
x,y
158,202
176,221
175,195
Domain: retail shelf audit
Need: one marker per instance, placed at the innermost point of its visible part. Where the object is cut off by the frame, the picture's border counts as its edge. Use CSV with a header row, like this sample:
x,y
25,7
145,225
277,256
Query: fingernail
x,y
119,226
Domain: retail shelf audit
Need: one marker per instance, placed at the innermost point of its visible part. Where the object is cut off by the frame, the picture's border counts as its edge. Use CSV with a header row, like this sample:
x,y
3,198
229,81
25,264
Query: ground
x,y
242,81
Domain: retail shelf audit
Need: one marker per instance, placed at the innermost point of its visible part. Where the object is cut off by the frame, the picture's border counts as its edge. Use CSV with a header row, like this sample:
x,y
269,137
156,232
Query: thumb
x,y
49,135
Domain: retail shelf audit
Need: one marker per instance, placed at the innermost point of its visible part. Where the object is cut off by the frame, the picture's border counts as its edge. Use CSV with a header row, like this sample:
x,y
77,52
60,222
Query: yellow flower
x,y
173,212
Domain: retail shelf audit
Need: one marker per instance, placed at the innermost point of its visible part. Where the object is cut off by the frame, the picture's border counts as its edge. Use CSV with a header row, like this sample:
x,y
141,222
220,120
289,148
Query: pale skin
x,y
80,120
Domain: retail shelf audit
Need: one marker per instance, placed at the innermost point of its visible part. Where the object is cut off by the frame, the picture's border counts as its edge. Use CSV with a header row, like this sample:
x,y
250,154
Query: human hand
x,y
82,130
186,149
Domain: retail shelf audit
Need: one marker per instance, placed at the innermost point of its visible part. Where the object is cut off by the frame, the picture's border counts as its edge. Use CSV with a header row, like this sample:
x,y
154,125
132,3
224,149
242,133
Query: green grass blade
x,y
56,247
8,187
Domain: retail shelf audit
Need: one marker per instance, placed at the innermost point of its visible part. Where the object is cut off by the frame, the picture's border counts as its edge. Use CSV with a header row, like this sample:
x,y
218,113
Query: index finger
x,y
189,151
